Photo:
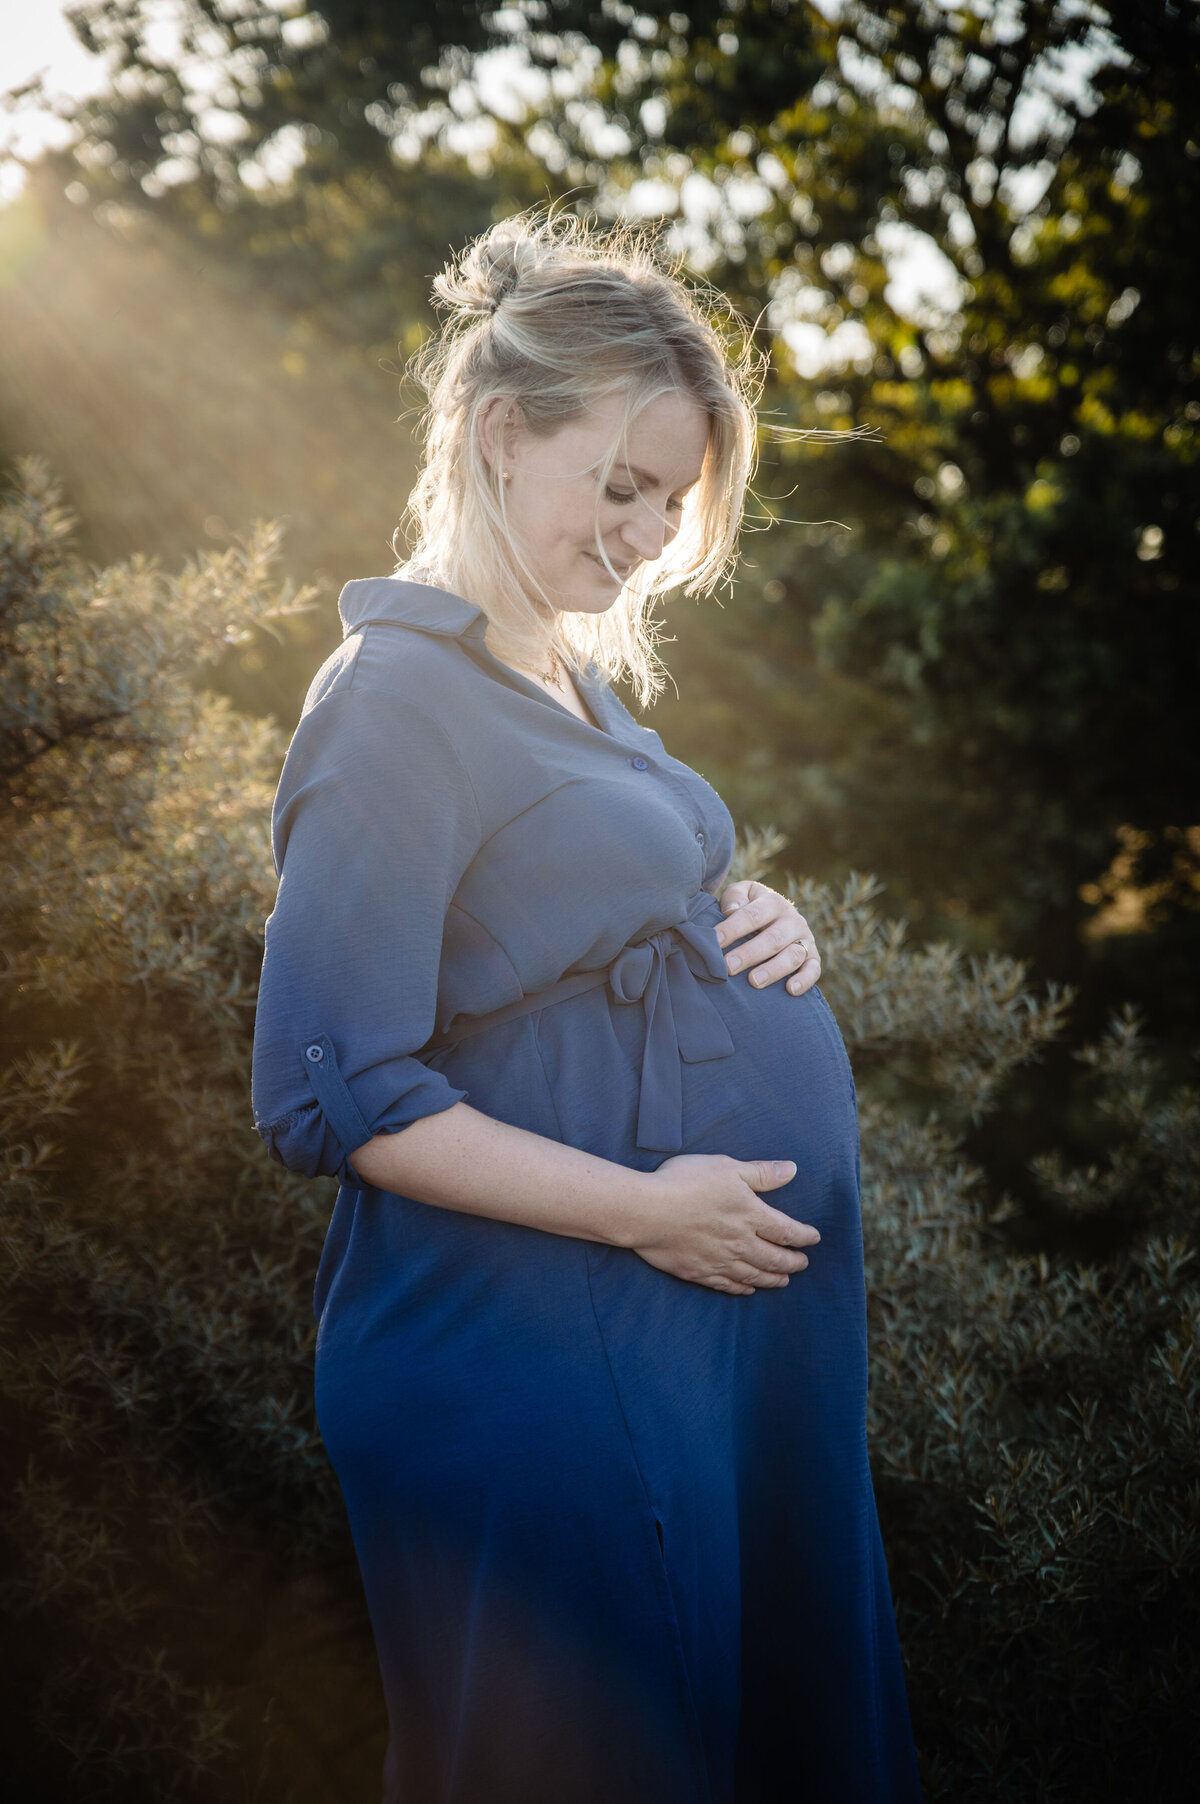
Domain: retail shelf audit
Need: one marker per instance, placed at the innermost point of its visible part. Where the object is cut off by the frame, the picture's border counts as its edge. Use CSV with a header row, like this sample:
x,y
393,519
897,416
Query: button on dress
x,y
616,1530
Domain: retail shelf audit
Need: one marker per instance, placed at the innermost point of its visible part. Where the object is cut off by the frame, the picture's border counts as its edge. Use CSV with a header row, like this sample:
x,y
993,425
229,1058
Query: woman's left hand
x,y
783,943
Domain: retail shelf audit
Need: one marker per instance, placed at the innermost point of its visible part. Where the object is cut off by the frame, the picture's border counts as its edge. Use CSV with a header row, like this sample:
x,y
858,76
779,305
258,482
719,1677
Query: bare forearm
x,y
462,1159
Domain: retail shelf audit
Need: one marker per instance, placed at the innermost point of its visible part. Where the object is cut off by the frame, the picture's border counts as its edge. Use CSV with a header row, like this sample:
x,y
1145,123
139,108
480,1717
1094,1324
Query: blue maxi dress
x,y
617,1531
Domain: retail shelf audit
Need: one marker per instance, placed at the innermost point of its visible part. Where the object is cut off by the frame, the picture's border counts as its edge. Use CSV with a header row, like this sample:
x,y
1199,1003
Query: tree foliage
x,y
990,619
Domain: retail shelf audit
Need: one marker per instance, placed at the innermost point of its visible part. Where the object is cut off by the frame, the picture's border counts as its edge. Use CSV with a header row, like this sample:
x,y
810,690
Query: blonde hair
x,y
555,314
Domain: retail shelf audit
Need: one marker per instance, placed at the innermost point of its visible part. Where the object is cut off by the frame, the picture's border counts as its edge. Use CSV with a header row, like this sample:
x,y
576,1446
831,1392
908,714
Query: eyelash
x,y
622,500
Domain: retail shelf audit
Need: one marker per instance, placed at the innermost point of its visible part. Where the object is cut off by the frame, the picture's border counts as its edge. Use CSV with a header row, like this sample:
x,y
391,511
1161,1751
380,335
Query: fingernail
x,y
786,1168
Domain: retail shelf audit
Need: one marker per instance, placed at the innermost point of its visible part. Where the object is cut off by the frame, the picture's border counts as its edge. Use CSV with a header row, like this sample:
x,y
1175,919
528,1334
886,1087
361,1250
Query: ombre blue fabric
x,y
617,1531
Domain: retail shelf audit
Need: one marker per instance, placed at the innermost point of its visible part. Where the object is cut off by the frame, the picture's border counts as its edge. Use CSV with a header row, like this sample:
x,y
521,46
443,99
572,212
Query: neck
x,y
549,668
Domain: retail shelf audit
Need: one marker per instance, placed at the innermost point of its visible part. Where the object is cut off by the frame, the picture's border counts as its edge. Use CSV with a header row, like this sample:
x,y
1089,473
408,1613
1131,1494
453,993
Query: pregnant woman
x,y
605,1466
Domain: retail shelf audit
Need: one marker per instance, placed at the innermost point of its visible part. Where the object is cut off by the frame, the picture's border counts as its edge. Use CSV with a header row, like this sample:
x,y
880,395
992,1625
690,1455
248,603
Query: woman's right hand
x,y
703,1221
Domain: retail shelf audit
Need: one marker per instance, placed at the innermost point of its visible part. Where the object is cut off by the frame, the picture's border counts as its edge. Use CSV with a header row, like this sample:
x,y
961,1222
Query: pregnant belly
x,y
573,1071
738,1372
784,1092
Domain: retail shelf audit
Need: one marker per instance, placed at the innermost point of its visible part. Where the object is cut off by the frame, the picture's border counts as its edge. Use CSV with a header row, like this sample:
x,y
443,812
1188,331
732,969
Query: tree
x,y
1020,606
996,653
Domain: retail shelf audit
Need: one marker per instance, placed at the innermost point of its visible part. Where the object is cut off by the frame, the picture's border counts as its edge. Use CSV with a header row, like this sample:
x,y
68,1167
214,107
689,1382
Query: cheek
x,y
543,528
582,529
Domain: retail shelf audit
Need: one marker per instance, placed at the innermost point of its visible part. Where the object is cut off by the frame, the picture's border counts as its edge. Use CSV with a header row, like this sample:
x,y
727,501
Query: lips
x,y
622,570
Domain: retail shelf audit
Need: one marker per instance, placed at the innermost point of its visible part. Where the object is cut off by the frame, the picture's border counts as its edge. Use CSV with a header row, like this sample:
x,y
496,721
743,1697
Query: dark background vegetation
x,y
961,653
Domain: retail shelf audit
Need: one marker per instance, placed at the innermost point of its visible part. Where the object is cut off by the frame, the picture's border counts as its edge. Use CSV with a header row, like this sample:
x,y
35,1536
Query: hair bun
x,y
485,274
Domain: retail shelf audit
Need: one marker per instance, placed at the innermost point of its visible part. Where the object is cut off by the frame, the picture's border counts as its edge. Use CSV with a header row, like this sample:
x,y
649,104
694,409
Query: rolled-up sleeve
x,y
374,823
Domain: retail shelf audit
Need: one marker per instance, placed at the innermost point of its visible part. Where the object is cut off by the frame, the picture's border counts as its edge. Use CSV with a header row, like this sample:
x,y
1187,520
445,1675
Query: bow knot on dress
x,y
667,973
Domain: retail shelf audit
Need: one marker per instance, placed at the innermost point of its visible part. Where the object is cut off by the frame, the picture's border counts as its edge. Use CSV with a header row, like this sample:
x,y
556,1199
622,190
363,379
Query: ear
x,y
500,421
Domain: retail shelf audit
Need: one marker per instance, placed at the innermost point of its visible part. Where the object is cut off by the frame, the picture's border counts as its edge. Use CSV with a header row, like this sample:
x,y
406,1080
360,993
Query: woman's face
x,y
557,505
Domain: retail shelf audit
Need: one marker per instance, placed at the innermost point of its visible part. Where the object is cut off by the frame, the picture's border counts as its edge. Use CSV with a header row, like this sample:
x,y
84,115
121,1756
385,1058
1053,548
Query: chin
x,y
589,604
594,594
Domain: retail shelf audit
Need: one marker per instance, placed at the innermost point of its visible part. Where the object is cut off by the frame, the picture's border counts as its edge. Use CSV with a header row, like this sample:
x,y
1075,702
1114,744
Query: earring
x,y
506,476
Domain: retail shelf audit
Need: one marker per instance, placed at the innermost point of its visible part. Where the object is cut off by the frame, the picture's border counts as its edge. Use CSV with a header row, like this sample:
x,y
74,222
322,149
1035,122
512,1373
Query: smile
x,y
622,570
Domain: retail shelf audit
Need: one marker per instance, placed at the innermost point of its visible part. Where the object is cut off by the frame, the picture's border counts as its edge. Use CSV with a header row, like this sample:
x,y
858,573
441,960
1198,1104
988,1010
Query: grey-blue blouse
x,y
449,838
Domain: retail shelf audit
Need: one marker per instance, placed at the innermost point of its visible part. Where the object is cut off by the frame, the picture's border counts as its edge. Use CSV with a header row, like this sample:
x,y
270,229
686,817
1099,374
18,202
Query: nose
x,y
648,532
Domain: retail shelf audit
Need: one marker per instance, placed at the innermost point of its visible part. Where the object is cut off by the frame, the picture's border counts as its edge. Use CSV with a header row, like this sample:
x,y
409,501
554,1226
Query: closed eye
x,y
620,499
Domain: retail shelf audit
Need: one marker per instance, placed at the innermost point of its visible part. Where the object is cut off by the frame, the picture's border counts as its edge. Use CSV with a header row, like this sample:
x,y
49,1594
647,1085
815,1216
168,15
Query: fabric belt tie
x,y
667,973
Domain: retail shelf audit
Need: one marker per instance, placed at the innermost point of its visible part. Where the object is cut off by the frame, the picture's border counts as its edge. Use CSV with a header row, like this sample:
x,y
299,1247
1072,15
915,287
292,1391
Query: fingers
x,y
775,1256
743,915
772,953
744,1274
810,965
807,976
784,946
772,1263
798,958
770,917
784,1230
776,1230
767,1174
758,1277
733,897
775,1265
810,972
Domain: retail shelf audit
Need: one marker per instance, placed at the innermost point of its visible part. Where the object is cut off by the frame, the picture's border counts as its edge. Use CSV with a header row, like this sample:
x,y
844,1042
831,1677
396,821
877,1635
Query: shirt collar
x,y
388,599
370,600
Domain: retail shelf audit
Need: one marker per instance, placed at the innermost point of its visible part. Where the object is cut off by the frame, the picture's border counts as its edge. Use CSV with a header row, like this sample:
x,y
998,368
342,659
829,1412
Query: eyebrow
x,y
648,480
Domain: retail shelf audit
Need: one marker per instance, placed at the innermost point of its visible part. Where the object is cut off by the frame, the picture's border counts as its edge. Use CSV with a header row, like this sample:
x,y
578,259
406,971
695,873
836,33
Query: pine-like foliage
x,y
186,1617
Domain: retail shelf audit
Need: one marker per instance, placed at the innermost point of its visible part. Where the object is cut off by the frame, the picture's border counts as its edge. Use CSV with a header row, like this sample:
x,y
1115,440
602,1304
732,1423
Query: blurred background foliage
x,y
963,656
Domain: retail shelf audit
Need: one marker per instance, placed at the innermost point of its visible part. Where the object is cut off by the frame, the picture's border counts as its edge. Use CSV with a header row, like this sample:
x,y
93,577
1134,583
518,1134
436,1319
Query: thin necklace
x,y
546,676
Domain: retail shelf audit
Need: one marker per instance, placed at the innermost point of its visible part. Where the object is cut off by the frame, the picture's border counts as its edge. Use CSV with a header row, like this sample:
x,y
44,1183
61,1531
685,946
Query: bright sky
x,y
35,37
